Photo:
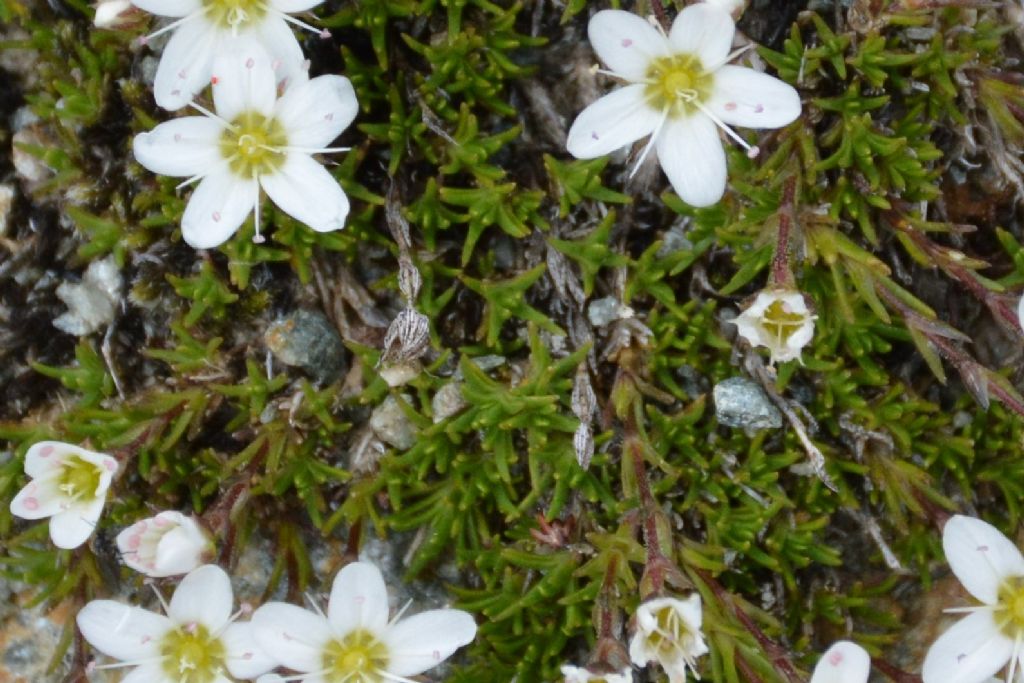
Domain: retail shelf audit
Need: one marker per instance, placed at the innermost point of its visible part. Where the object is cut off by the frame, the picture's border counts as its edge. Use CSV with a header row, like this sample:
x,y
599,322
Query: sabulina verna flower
x,y
576,674
668,632
165,545
355,641
205,28
116,14
681,91
844,662
991,568
198,641
69,485
254,141
780,320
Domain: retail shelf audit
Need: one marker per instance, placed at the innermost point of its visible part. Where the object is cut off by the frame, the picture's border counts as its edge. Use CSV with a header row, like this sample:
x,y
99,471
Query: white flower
x,y
681,91
206,28
69,484
355,641
779,320
668,632
165,545
197,642
991,568
575,674
255,141
844,662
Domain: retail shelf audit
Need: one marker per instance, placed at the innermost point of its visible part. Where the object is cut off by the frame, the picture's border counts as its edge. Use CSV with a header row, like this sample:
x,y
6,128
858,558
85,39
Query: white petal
x,y
245,658
291,635
844,662
980,556
179,551
304,190
288,62
426,639
703,30
45,456
181,147
744,97
294,6
40,498
618,119
1020,311
359,599
122,631
169,8
243,79
970,651
625,42
217,208
692,157
148,673
71,528
203,597
184,67
314,112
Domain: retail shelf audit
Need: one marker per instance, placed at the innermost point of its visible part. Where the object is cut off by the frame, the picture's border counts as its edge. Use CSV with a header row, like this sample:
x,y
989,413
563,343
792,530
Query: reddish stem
x,y
782,273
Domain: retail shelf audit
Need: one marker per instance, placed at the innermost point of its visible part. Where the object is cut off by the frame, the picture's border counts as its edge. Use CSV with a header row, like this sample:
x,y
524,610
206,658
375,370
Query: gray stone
x,y
391,424
92,303
308,340
607,310
447,401
740,402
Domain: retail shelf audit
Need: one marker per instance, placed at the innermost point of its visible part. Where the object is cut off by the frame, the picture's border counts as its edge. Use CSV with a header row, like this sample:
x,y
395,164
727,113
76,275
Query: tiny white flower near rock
x,y
355,641
844,662
680,91
69,485
575,674
991,568
779,320
204,29
668,632
198,641
255,141
165,545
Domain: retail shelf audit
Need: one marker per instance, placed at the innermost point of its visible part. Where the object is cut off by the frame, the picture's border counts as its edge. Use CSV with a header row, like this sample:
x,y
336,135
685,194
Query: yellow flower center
x,y
1009,612
253,144
233,13
192,655
677,83
671,638
79,477
781,323
357,658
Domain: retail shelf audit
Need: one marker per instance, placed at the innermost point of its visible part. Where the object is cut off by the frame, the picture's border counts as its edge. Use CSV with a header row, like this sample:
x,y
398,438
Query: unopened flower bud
x,y
165,545
116,14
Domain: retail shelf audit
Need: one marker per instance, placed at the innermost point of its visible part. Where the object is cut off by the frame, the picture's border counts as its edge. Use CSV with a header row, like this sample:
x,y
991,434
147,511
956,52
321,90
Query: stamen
x,y
309,150
969,610
160,597
752,150
134,662
596,69
651,141
206,112
398,615
732,55
314,604
393,677
322,32
653,21
257,238
171,26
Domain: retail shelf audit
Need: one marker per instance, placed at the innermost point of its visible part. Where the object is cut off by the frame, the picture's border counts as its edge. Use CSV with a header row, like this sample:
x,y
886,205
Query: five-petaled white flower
x,y
205,28
165,545
844,662
668,632
991,568
69,485
780,320
354,642
575,674
680,91
198,641
256,140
